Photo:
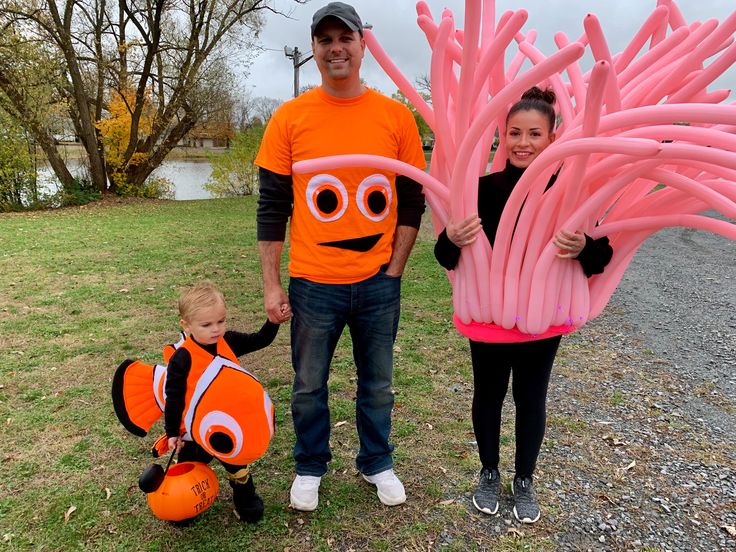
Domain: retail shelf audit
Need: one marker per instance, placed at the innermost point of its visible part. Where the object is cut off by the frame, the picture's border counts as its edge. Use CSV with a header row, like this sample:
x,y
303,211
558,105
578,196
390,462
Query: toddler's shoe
x,y
248,504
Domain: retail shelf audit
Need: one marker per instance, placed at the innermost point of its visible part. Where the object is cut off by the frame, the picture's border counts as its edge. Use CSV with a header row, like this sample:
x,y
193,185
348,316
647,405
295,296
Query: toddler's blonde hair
x,y
202,295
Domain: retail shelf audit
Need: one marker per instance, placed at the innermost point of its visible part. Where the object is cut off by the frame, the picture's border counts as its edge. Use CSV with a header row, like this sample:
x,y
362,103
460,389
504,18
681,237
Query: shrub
x,y
233,172
18,185
80,192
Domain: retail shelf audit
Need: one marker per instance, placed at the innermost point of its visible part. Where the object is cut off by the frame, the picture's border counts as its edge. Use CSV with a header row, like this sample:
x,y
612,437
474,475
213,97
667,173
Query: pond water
x,y
188,176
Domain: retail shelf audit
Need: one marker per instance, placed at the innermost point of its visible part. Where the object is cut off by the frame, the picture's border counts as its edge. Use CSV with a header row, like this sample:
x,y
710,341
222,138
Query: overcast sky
x,y
394,24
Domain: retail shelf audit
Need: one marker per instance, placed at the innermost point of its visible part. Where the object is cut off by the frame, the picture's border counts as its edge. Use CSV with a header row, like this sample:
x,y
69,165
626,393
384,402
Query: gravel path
x,y
640,450
679,297
671,407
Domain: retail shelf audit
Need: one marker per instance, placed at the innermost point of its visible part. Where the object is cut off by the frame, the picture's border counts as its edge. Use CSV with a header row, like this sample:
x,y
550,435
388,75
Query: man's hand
x,y
404,238
277,305
278,308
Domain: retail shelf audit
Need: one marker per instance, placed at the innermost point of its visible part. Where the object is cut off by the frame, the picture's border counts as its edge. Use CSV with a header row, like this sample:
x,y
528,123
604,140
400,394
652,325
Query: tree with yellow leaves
x,y
115,135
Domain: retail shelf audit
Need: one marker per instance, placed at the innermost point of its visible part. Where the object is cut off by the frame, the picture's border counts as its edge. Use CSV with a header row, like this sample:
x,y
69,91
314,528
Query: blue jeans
x,y
320,312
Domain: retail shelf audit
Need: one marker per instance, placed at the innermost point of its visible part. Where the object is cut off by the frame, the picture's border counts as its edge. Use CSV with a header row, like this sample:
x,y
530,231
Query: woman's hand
x,y
571,243
465,232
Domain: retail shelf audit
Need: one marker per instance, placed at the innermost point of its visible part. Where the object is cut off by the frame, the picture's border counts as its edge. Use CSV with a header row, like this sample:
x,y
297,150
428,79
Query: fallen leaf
x,y
69,512
447,502
615,441
730,529
341,423
108,493
515,533
7,537
608,498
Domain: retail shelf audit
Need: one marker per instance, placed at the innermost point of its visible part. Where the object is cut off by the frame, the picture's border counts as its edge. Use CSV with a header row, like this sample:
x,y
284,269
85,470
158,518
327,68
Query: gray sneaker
x,y
526,508
485,498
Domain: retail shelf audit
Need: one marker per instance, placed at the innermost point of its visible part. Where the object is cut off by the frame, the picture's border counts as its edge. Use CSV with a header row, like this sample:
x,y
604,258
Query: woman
x,y
529,130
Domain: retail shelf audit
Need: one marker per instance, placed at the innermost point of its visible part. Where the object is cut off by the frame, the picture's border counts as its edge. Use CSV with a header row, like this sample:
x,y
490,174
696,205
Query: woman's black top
x,y
494,191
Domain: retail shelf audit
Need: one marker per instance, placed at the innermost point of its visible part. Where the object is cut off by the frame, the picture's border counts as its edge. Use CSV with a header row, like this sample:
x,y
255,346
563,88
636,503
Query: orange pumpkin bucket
x,y
187,490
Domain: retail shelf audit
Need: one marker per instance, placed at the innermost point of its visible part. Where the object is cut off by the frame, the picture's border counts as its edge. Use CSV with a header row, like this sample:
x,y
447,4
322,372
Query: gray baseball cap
x,y
344,12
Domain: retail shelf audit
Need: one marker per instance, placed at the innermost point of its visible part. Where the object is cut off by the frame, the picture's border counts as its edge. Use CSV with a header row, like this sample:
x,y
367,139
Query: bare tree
x,y
264,107
424,86
166,59
243,111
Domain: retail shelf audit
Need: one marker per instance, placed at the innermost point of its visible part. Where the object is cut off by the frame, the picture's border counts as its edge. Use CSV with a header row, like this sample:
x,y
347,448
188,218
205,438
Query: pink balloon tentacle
x,y
398,77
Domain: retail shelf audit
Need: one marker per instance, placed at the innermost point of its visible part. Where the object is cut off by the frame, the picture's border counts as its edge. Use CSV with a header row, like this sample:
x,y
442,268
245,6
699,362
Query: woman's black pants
x,y
531,365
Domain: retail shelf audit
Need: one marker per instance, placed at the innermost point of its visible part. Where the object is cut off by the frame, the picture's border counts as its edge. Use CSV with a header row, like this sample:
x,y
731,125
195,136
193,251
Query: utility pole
x,y
295,55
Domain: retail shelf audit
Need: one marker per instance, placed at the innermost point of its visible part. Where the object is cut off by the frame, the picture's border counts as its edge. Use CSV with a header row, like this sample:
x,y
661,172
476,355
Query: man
x,y
351,233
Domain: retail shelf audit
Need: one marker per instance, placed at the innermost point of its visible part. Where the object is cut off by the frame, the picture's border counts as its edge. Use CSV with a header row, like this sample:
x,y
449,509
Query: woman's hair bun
x,y
536,93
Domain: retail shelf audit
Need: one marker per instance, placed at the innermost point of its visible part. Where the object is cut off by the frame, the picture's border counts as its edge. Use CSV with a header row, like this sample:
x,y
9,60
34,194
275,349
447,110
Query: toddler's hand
x,y
175,443
285,312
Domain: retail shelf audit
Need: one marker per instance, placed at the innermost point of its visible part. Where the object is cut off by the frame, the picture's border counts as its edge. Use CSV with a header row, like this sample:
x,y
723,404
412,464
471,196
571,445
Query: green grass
x,y
85,288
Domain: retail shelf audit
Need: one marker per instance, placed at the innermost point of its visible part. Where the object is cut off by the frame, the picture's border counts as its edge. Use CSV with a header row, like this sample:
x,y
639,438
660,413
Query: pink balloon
x,y
574,74
657,17
724,61
665,52
493,55
409,91
676,19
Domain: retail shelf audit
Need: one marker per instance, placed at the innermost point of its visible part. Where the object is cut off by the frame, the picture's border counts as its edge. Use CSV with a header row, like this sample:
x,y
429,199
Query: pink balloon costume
x,y
645,146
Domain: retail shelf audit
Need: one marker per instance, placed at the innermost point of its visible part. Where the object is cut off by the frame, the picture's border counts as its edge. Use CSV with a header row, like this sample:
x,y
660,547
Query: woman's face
x,y
527,135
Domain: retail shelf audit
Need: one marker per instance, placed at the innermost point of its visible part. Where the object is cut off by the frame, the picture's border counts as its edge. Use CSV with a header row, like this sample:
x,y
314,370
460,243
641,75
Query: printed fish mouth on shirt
x,y
361,245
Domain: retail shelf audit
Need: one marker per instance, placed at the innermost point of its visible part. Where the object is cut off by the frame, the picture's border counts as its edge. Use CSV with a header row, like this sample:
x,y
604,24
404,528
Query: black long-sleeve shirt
x,y
276,201
181,363
494,191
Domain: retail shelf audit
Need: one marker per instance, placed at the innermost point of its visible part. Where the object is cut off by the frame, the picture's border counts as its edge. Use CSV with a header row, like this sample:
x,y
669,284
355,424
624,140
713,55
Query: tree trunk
x,y
88,134
137,174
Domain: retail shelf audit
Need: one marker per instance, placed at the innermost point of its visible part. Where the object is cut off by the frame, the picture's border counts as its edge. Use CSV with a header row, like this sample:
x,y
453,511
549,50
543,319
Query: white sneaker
x,y
305,493
389,488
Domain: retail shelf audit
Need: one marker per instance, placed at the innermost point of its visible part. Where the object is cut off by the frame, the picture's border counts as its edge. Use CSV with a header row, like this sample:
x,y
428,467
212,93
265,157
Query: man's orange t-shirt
x,y
343,222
